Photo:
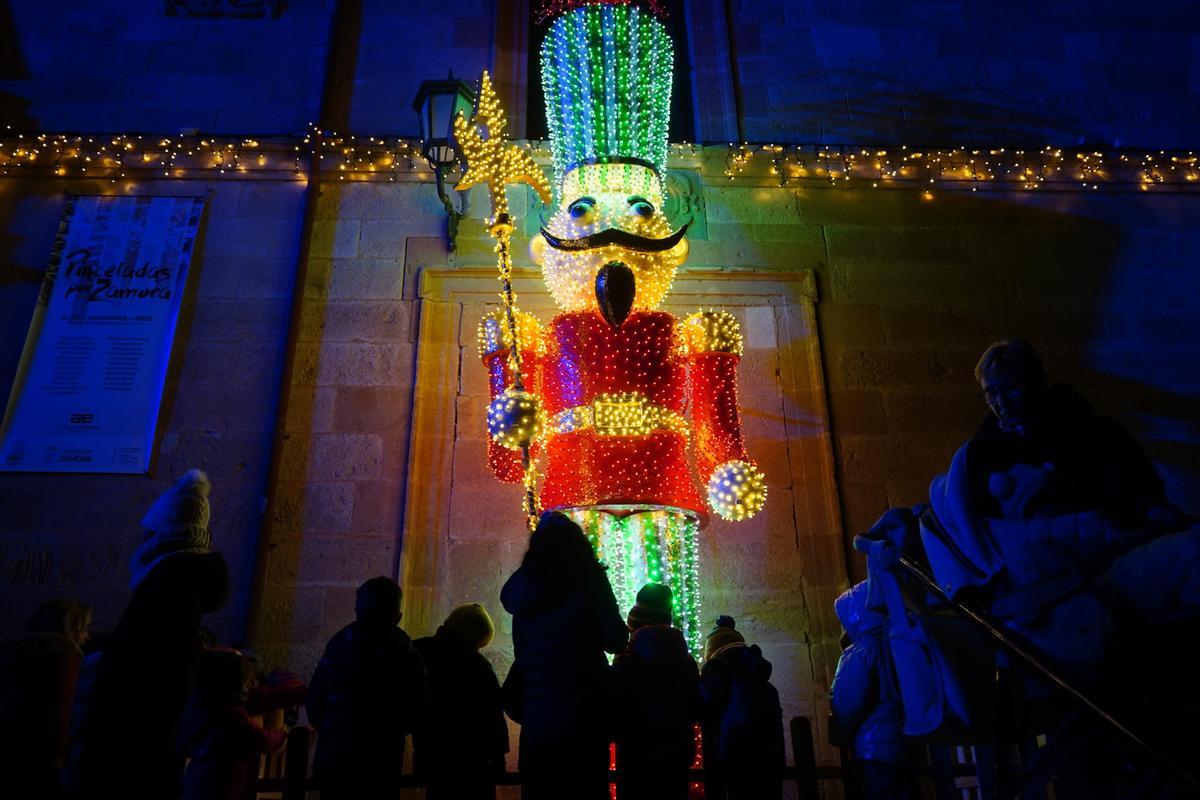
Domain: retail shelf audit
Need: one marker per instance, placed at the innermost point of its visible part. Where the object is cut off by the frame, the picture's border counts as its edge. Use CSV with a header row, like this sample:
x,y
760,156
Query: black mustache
x,y
630,241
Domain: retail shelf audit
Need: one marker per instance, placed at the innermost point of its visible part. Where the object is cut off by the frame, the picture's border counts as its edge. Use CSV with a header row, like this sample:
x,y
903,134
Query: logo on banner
x,y
16,454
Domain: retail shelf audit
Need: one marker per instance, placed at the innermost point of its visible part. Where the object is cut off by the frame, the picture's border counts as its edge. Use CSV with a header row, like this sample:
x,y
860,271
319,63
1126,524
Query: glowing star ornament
x,y
516,421
632,403
492,160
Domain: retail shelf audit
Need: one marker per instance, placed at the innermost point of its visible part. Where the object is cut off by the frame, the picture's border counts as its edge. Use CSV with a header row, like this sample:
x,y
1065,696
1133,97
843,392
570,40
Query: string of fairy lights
x,y
139,156
967,168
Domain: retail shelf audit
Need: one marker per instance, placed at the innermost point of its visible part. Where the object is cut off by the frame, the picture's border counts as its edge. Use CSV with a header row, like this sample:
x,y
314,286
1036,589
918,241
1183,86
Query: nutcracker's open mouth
x,y
615,290
618,237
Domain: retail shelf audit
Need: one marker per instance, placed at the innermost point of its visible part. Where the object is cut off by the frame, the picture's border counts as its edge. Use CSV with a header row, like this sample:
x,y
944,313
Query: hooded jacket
x,y
132,693
657,698
865,701
743,721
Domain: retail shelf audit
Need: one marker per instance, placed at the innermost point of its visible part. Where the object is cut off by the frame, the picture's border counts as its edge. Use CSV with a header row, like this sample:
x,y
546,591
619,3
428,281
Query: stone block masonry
x,y
922,74
909,290
344,473
217,411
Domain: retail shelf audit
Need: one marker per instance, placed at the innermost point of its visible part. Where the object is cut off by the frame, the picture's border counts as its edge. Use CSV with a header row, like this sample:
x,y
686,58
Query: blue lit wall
x,y
1108,286
953,73
859,72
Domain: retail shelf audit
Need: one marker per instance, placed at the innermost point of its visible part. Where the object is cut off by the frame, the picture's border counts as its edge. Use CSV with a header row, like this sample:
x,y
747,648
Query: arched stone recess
x,y
777,574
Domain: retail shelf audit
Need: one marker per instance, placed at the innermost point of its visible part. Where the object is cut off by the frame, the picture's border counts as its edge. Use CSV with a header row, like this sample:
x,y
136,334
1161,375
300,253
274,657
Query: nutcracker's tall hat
x,y
606,72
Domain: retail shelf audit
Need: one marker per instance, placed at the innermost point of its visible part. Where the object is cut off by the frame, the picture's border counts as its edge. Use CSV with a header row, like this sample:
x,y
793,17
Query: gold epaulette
x,y
711,332
494,335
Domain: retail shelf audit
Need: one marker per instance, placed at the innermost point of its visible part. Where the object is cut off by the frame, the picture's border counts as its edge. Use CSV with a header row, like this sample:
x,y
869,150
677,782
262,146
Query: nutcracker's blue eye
x,y
641,207
583,210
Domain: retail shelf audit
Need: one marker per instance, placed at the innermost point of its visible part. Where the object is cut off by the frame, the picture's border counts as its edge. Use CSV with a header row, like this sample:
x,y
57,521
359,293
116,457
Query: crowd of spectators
x,y
1050,522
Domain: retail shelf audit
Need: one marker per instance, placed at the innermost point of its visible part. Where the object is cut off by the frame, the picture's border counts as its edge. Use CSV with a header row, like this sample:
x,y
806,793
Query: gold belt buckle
x,y
619,416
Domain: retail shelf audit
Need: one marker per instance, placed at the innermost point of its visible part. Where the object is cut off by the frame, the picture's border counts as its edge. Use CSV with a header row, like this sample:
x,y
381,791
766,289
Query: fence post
x,y
295,763
804,756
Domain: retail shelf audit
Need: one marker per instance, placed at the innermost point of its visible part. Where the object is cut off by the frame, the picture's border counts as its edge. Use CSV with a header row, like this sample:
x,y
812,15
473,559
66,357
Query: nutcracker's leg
x,y
659,546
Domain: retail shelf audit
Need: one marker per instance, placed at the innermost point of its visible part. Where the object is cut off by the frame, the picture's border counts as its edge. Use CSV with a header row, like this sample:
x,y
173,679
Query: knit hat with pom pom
x,y
723,637
177,524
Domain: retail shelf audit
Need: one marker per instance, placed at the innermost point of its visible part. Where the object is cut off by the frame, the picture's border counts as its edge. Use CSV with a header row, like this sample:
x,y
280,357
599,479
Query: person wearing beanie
x,y
656,702
368,693
743,722
654,606
460,745
177,524
472,624
132,693
724,637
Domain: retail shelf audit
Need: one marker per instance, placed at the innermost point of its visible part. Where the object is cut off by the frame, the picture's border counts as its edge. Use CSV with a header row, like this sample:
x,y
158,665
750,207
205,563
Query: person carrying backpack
x,y
743,722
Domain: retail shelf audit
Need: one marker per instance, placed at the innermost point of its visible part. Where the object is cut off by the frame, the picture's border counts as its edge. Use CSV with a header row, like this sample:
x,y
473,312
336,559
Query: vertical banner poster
x,y
88,390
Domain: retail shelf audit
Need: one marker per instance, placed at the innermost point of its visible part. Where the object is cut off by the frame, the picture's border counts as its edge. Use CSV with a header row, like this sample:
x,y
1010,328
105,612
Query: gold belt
x,y
622,414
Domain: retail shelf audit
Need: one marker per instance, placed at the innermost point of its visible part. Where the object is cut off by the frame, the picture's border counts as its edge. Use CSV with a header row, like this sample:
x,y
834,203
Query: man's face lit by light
x,y
1011,396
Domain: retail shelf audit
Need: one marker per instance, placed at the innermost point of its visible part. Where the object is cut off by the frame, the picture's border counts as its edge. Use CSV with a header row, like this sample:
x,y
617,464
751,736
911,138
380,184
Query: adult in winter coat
x,y
38,673
743,722
867,712
1055,518
459,747
367,694
656,700
565,619
132,693
1096,463
218,731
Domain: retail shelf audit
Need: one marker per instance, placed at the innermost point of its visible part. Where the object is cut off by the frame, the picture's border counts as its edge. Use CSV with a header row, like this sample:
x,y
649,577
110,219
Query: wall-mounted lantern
x,y
437,103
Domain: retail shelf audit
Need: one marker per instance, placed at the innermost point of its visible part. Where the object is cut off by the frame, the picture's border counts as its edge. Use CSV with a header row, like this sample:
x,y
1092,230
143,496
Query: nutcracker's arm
x,y
712,344
495,344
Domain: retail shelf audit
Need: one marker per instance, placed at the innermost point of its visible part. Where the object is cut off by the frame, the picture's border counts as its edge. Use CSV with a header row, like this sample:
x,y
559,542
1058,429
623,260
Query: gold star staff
x,y
496,162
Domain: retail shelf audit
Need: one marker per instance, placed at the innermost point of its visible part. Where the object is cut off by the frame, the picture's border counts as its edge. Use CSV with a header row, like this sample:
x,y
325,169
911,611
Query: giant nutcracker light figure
x,y
612,393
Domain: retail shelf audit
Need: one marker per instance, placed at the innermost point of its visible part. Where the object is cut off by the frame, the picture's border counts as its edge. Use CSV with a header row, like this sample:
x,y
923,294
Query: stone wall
x,y
403,44
338,513
909,292
72,535
955,73
914,290
863,72
131,66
